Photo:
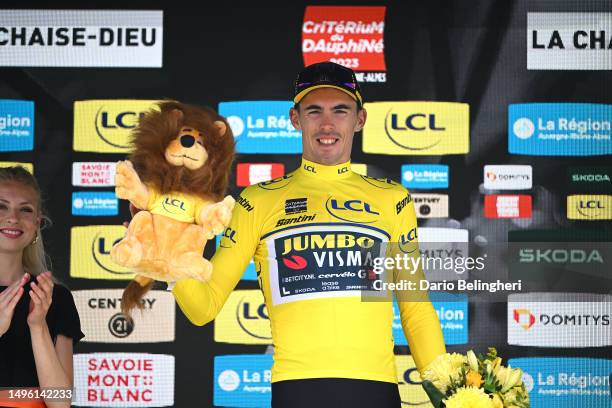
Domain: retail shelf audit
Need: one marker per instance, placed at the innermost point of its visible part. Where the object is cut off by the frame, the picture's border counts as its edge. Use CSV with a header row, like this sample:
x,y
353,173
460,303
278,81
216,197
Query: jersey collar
x,y
323,172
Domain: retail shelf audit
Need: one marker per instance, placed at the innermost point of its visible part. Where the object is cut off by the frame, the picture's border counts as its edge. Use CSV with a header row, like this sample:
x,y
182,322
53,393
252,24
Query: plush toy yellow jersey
x,y
177,173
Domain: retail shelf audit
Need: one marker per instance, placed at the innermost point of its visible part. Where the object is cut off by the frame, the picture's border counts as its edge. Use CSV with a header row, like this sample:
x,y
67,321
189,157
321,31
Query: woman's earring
x,y
35,239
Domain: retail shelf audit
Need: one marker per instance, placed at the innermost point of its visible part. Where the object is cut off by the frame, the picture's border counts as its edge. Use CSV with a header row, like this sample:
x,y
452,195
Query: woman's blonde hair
x,y
34,260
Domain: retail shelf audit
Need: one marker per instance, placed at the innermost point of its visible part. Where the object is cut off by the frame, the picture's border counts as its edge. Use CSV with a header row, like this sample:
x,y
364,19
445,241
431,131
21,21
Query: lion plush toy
x,y
178,174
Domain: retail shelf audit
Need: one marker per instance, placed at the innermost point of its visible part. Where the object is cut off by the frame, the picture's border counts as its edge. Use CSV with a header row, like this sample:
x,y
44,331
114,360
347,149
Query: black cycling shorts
x,y
334,392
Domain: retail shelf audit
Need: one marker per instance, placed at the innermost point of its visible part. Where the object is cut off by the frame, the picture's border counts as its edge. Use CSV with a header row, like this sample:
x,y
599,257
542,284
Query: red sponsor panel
x,y
507,206
253,173
349,36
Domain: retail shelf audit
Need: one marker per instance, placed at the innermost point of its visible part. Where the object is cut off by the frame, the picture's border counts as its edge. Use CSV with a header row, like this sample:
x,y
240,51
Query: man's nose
x,y
187,140
327,122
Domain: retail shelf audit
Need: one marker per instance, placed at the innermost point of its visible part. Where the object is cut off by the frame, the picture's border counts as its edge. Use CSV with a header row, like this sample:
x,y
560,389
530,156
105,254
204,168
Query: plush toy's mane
x,y
157,128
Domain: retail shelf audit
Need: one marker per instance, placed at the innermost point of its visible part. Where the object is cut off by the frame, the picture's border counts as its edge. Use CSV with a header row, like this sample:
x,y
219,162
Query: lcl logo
x,y
353,205
346,210
125,120
309,168
416,121
590,204
171,204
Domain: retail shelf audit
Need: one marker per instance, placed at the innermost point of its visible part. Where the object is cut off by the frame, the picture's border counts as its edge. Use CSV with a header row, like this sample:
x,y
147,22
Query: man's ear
x,y
362,115
295,118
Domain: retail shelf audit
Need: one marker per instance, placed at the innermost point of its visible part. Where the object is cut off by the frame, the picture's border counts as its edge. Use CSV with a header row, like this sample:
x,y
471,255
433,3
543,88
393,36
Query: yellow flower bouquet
x,y
456,381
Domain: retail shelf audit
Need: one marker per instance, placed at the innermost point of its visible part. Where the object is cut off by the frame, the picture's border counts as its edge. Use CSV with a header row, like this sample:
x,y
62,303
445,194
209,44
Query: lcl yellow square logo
x,y
409,383
28,166
589,207
244,319
90,252
104,126
417,128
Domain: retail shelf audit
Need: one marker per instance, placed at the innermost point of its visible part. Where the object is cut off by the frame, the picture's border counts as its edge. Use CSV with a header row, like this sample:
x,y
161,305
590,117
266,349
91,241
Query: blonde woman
x,y
39,323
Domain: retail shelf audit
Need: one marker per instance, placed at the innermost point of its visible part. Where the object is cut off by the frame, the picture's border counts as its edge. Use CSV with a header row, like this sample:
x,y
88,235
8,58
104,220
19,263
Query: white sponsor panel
x,y
93,174
430,205
515,177
123,380
259,173
81,38
569,41
102,320
439,246
559,319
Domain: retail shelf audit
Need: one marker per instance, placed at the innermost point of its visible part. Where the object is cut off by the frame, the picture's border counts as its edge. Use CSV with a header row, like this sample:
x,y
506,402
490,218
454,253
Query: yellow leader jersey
x,y
310,233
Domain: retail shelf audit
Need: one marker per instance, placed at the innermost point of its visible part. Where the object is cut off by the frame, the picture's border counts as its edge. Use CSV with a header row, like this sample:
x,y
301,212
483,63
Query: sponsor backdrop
x,y
497,117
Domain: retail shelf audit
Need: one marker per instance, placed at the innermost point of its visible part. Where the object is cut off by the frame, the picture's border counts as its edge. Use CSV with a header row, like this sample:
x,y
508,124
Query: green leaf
x,y
435,395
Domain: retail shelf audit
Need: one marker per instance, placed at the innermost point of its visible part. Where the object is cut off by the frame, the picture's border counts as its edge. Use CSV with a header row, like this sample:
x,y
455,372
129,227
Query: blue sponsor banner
x,y
425,176
16,125
452,310
94,203
242,380
262,126
250,273
566,382
560,129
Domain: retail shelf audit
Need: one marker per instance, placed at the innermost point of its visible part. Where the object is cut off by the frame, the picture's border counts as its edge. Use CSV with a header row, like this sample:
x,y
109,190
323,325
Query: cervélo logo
x,y
16,125
81,38
417,128
155,323
560,129
502,177
123,379
559,319
347,35
262,126
569,41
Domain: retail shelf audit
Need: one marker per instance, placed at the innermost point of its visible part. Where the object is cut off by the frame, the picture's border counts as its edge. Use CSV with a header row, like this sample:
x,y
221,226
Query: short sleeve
x,y
153,196
64,316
